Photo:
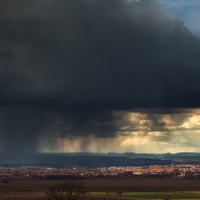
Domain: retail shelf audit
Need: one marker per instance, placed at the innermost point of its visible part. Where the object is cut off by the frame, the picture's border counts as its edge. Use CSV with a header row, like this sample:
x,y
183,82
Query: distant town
x,y
181,171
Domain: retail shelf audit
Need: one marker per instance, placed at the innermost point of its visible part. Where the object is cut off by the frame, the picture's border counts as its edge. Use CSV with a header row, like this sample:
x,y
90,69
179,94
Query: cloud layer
x,y
137,131
68,67
112,54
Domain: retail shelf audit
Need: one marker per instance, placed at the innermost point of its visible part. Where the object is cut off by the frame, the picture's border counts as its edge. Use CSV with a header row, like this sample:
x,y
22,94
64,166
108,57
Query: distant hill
x,y
100,159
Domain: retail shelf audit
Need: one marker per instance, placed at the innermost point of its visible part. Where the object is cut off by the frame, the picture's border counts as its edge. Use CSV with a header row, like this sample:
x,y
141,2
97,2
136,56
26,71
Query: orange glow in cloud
x,y
140,133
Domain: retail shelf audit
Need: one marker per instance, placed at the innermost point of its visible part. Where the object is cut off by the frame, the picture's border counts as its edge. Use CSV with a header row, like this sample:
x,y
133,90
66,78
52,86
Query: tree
x,y
67,191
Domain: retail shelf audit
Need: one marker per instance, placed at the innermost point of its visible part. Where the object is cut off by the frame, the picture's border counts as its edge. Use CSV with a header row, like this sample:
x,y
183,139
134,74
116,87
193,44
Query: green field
x,y
151,195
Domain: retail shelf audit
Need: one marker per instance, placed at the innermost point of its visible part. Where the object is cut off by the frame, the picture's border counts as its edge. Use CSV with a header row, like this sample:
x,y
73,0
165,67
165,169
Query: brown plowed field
x,y
102,184
143,184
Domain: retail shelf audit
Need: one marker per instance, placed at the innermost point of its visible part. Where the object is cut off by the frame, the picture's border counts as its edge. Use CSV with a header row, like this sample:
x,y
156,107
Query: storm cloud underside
x,y
68,68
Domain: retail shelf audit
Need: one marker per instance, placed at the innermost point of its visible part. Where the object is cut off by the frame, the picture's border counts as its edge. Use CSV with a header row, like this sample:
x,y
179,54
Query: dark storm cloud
x,y
20,128
120,54
81,122
74,62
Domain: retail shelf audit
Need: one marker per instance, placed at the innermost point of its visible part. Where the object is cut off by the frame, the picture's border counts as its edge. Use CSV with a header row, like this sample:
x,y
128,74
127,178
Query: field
x,y
134,188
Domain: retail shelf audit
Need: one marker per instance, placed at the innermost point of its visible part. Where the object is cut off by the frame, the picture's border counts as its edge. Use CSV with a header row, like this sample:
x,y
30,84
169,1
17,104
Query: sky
x,y
99,76
187,11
